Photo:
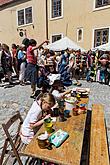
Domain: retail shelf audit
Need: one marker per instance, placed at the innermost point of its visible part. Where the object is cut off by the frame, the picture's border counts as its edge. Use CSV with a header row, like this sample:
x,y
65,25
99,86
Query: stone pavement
x,y
17,98
13,99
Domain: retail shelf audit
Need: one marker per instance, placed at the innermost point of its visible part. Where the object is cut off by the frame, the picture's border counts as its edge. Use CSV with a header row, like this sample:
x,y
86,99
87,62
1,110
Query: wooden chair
x,y
14,142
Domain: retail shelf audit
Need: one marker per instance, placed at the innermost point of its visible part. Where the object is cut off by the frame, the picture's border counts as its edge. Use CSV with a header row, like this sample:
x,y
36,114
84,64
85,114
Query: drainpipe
x,y
47,19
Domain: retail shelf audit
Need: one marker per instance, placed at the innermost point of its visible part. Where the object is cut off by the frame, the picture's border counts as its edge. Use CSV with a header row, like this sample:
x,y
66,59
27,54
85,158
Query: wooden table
x,y
69,153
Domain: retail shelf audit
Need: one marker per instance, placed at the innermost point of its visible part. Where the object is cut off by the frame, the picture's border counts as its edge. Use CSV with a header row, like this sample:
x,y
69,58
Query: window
x,y
28,15
101,36
25,16
56,8
56,37
21,17
101,3
79,34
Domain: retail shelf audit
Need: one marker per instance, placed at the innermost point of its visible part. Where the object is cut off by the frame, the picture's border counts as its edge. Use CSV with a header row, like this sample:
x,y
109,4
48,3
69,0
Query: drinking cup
x,y
55,112
48,125
67,113
42,141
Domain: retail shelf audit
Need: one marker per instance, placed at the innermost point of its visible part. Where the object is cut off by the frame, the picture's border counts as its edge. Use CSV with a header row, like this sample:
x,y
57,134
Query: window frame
x,y
56,34
55,18
25,24
96,6
99,8
93,34
80,28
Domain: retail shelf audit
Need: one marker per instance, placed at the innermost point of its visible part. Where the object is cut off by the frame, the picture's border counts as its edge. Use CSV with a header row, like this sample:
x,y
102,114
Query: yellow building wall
x,y
9,31
80,14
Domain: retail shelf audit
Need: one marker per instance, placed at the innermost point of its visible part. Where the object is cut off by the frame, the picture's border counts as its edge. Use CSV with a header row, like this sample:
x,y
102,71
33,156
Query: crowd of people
x,y
32,62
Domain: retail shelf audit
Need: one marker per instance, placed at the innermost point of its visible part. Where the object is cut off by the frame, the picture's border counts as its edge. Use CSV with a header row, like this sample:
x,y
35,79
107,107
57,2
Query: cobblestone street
x,y
17,98
12,100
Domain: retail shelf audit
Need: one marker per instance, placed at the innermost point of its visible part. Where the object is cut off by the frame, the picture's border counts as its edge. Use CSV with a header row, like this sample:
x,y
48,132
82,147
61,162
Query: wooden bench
x,y
98,139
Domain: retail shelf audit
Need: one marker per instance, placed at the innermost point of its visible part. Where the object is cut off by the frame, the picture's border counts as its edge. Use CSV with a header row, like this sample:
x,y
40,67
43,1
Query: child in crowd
x,y
39,111
14,59
6,63
21,63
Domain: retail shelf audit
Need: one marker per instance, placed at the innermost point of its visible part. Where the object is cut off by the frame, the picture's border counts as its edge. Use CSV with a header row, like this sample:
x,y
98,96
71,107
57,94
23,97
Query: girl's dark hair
x,y
62,52
5,46
14,46
32,42
57,83
25,42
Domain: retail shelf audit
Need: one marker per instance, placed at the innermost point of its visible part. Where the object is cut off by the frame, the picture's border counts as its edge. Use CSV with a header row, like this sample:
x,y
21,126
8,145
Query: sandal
x,y
79,84
75,83
22,84
32,95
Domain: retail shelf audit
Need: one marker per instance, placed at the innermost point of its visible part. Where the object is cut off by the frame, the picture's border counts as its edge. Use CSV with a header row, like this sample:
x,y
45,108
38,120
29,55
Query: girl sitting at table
x,y
39,111
58,90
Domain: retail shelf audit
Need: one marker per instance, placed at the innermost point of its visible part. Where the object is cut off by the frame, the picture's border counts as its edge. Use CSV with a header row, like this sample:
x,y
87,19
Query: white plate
x,y
54,119
82,90
70,99
84,93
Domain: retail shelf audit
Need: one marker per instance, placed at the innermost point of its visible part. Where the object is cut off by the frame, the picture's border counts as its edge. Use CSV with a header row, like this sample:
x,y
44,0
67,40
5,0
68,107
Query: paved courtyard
x,y
17,98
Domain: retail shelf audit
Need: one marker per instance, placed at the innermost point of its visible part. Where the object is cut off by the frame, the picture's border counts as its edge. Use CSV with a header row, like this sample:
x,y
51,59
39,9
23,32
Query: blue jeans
x,y
88,74
102,75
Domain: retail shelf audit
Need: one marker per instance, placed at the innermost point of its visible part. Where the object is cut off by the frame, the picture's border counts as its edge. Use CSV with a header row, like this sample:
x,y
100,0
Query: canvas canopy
x,y
104,47
63,44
